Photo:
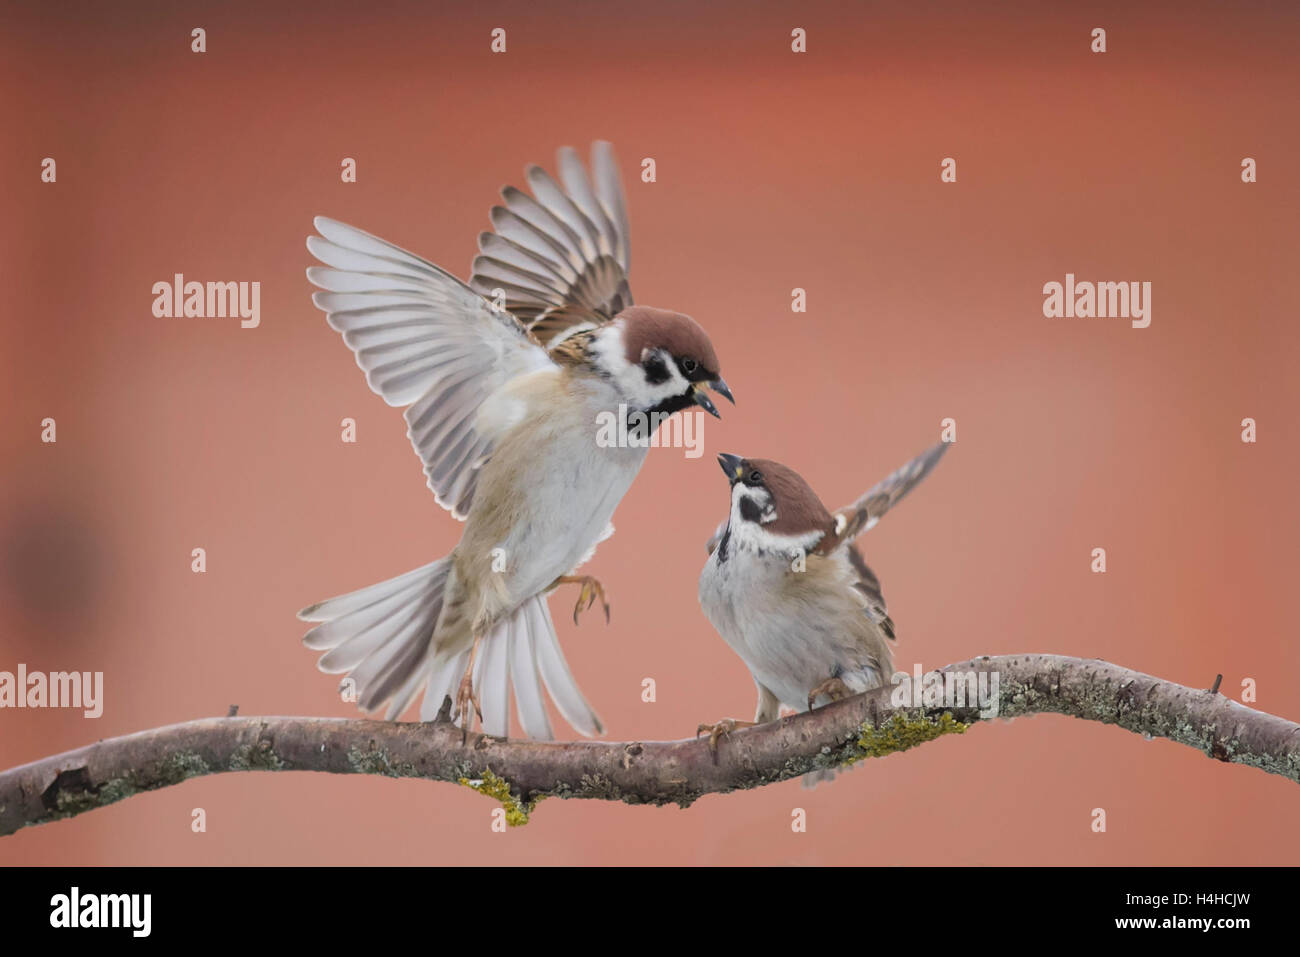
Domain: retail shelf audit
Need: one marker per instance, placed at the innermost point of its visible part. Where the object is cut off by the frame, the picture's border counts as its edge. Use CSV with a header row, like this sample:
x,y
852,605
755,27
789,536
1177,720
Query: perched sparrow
x,y
789,591
506,380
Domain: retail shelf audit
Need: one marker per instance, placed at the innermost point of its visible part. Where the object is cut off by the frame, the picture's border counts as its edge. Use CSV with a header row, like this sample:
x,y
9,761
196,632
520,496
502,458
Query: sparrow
x,y
504,380
789,591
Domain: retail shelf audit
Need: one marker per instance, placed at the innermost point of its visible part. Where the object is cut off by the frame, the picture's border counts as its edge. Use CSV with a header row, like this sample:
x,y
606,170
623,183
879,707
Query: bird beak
x,y
703,401
733,465
722,389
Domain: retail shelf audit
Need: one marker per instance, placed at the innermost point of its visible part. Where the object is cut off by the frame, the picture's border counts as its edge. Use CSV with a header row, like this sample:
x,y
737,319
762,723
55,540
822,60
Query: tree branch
x,y
519,773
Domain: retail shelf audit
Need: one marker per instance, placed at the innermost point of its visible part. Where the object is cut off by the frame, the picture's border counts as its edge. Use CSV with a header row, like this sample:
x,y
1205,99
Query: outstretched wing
x,y
422,336
854,519
864,513
560,257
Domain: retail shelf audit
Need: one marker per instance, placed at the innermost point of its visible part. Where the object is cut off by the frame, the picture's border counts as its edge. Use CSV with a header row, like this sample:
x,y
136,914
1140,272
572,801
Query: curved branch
x,y
519,773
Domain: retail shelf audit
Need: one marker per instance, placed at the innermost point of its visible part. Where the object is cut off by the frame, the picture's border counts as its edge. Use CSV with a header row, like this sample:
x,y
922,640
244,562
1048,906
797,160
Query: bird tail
x,y
382,636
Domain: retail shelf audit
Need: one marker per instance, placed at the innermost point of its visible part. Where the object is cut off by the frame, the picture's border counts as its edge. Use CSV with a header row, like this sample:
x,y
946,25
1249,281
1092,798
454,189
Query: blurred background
x,y
774,171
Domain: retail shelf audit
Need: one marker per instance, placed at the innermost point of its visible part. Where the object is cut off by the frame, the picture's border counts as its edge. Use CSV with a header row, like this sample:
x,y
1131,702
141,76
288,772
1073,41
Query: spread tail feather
x,y
550,664
380,635
383,637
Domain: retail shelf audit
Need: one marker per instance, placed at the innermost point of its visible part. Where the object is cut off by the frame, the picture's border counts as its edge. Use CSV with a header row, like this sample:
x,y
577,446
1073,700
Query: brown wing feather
x,y
857,517
869,585
560,256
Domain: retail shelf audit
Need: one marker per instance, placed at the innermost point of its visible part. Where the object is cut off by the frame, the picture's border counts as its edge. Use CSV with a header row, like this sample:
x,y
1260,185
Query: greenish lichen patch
x,y
69,803
498,788
901,733
118,789
374,760
180,766
257,756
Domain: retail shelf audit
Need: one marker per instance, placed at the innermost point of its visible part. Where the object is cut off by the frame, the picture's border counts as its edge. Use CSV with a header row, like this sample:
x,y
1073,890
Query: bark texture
x,y
519,773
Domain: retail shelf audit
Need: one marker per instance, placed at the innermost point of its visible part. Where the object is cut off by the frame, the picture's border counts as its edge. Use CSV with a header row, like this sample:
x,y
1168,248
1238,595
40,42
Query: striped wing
x,y
424,340
559,258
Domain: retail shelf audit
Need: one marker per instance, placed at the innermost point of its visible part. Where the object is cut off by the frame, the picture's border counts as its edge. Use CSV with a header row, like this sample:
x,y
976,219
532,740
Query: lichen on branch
x,y
520,773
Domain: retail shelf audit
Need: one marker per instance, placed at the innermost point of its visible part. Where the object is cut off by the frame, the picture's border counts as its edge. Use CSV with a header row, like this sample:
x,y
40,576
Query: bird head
x,y
772,507
660,361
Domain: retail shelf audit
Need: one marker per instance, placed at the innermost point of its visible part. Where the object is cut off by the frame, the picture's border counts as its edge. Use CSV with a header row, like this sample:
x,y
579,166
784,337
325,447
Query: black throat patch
x,y
674,403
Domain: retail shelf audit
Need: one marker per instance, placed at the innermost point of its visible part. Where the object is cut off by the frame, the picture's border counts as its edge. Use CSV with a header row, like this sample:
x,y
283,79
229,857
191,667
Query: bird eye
x,y
756,476
689,366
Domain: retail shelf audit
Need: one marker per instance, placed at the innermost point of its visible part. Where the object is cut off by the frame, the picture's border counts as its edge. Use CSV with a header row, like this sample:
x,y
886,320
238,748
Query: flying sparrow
x,y
789,591
505,380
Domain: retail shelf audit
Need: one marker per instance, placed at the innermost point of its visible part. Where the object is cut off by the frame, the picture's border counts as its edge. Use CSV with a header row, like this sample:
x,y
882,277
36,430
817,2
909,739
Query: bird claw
x,y
591,590
465,697
717,730
833,688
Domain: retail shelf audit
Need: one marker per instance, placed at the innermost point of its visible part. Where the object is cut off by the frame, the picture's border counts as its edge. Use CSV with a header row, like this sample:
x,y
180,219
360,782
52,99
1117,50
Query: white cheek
x,y
645,395
752,536
749,536
629,377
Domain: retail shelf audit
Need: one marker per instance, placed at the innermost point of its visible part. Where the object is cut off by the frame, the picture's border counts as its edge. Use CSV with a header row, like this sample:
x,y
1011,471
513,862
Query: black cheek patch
x,y
656,371
750,510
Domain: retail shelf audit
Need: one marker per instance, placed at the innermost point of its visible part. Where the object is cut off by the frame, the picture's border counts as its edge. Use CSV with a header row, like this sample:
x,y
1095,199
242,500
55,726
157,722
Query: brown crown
x,y
798,509
649,328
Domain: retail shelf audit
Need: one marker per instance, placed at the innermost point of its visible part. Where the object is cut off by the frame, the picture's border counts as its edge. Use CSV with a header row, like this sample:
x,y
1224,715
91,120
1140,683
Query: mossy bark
x,y
519,773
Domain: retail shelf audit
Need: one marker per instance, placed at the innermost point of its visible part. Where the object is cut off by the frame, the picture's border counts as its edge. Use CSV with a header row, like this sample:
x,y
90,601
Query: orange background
x,y
774,171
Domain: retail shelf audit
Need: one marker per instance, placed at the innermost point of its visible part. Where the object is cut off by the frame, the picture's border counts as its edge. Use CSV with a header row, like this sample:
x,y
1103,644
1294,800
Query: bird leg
x,y
833,688
465,694
591,590
725,726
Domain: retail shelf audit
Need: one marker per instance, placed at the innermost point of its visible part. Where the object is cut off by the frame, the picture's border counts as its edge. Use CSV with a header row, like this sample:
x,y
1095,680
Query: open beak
x,y
733,465
703,401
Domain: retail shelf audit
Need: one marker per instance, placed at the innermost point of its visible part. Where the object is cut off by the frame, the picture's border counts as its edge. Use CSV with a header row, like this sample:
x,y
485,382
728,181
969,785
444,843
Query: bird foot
x,y
465,698
833,688
723,727
591,590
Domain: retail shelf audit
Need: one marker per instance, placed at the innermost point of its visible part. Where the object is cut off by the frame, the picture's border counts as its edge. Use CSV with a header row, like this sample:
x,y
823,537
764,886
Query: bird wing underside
x,y
425,340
